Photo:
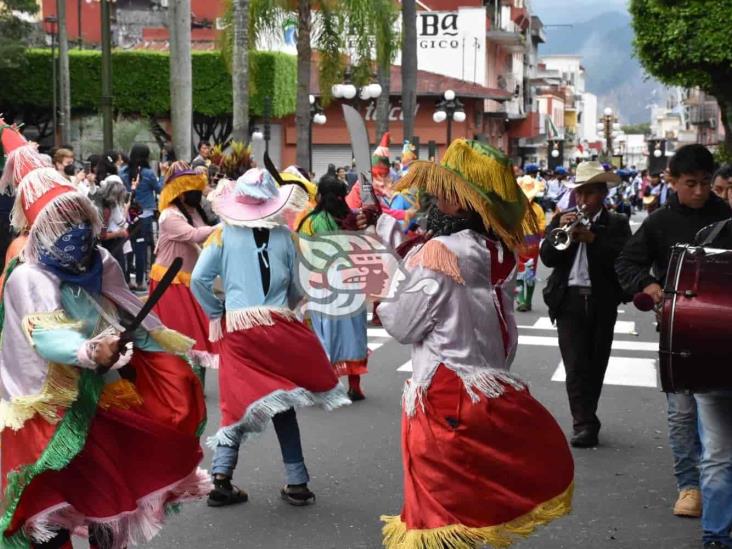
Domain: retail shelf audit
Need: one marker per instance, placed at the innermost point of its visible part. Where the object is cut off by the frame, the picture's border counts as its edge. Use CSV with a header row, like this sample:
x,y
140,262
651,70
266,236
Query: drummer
x,y
642,267
715,410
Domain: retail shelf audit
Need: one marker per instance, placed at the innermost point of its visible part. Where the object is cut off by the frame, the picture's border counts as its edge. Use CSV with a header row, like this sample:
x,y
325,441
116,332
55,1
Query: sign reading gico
x,y
438,30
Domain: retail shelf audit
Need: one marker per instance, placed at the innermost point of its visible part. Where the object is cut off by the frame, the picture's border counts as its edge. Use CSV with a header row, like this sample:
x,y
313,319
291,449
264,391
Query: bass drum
x,y
696,321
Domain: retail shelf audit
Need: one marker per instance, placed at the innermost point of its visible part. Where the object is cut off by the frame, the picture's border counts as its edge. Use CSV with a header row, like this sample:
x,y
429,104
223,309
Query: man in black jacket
x,y
642,267
583,294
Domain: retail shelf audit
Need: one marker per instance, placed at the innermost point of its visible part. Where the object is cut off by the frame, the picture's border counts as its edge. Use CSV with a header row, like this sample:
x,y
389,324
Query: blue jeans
x,y
715,428
141,241
683,433
288,434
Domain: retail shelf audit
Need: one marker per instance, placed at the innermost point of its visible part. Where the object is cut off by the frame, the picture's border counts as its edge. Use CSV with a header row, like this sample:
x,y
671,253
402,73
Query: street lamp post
x,y
611,128
317,116
51,27
267,122
449,108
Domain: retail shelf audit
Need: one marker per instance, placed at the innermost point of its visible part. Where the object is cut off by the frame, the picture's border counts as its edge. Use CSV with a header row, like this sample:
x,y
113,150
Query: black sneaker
x,y
298,495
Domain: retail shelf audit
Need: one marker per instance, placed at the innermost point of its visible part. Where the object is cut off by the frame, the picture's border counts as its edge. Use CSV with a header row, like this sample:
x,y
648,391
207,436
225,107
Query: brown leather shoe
x,y
689,503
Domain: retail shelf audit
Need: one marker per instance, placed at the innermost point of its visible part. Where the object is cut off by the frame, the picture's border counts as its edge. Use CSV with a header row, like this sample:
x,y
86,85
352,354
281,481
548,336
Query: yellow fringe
x,y
456,536
436,256
59,390
120,394
178,186
172,341
157,272
216,238
485,166
48,321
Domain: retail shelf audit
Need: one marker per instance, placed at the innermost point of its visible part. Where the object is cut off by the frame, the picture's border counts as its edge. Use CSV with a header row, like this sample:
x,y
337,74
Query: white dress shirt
x,y
580,273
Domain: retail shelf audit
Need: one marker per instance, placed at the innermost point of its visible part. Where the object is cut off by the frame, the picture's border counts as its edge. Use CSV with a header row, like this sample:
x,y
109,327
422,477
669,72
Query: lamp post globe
x,y
349,91
439,116
657,153
555,153
459,116
449,95
337,90
375,90
608,111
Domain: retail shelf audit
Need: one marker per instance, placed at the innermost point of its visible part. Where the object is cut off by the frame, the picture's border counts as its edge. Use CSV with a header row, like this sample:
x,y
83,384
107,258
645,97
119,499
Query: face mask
x,y
73,251
69,170
192,198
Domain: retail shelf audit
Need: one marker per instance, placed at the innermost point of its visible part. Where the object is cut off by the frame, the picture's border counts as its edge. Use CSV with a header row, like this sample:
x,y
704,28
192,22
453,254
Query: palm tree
x,y
181,76
240,71
64,119
387,41
409,65
369,24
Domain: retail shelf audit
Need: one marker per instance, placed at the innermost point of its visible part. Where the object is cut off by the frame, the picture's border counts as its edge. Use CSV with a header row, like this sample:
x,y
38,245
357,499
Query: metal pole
x,y
449,128
106,99
310,145
267,116
78,22
54,79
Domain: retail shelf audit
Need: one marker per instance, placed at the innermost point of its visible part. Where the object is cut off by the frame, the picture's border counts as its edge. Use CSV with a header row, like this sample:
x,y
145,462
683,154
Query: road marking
x,y
627,372
406,367
625,327
378,332
542,341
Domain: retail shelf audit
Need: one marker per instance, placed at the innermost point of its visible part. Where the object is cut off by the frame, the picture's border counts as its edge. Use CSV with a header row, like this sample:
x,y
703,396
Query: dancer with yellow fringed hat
x,y
99,424
483,460
184,227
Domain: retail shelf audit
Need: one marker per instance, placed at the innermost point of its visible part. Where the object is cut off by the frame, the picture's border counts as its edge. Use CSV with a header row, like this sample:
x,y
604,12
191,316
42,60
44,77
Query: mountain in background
x,y
605,43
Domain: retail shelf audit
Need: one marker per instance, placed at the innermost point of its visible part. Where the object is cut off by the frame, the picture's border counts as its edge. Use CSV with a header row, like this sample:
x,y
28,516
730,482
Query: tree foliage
x,y
687,43
140,82
14,30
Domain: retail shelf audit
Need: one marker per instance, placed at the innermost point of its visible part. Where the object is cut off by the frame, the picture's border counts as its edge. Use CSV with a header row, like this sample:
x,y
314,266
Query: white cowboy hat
x,y
593,172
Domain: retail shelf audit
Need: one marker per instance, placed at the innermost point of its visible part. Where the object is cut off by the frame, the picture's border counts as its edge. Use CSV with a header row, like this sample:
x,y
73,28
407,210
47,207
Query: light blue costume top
x,y
232,254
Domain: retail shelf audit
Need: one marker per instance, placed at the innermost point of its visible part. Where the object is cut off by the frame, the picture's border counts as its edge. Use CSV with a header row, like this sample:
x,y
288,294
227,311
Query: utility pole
x,y
106,78
181,76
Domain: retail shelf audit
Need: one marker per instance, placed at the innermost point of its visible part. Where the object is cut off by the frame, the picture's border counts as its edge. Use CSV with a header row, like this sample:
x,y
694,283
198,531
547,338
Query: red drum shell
x,y
696,322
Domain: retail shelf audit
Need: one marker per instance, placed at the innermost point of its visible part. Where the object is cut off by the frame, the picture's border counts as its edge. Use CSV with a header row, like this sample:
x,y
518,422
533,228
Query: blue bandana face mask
x,y
72,252
75,259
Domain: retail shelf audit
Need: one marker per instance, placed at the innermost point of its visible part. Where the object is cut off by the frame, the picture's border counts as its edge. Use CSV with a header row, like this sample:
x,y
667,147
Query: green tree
x,y
644,128
687,43
14,29
409,66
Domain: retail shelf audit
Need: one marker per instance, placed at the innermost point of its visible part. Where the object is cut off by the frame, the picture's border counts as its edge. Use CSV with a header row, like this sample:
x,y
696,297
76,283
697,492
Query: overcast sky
x,y
570,11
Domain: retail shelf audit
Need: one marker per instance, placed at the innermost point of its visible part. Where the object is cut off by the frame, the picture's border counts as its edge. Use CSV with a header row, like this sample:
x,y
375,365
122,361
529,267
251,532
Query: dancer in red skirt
x,y
99,437
184,228
270,362
483,461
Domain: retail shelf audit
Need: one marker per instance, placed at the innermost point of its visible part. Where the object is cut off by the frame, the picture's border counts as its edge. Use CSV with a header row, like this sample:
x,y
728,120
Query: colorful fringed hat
x,y
255,200
180,179
20,162
479,177
47,203
408,155
380,159
10,138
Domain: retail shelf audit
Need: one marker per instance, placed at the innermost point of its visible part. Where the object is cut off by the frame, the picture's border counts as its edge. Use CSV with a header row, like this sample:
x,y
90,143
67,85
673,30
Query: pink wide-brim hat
x,y
254,200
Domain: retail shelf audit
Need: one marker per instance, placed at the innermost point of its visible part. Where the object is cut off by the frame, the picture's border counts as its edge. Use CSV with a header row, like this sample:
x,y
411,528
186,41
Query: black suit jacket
x,y
612,231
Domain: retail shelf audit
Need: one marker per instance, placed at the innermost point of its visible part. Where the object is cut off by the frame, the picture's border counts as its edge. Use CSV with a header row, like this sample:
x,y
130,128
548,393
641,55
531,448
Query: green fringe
x,y
201,375
9,269
67,442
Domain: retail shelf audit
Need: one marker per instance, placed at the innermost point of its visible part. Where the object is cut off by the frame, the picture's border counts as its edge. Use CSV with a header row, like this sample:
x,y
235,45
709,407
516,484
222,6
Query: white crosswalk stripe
x,y
544,323
624,371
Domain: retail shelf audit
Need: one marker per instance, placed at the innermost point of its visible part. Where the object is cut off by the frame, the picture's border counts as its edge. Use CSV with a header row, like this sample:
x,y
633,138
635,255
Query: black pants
x,y
585,325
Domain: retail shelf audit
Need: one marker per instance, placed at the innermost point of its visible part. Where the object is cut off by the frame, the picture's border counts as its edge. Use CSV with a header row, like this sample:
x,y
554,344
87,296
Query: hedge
x,y
141,82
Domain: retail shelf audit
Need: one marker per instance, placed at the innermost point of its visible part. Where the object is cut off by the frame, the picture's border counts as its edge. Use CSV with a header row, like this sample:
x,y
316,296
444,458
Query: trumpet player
x,y
583,292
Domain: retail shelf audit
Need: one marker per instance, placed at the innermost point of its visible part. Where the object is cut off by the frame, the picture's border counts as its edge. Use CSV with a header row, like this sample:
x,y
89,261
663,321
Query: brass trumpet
x,y
561,237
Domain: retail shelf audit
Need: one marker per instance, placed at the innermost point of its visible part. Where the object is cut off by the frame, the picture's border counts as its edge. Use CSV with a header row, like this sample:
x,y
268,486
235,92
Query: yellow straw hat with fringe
x,y
477,177
178,180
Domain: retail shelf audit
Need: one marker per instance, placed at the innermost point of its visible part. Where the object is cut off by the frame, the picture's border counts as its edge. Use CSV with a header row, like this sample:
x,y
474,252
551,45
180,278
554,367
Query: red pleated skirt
x,y
479,473
272,363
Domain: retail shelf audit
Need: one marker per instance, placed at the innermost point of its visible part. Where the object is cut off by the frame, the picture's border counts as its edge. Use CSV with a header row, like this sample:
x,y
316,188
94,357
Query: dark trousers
x,y
142,242
115,246
585,326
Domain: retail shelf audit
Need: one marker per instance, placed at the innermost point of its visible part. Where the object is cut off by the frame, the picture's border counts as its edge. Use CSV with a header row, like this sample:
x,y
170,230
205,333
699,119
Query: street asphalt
x,y
624,488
